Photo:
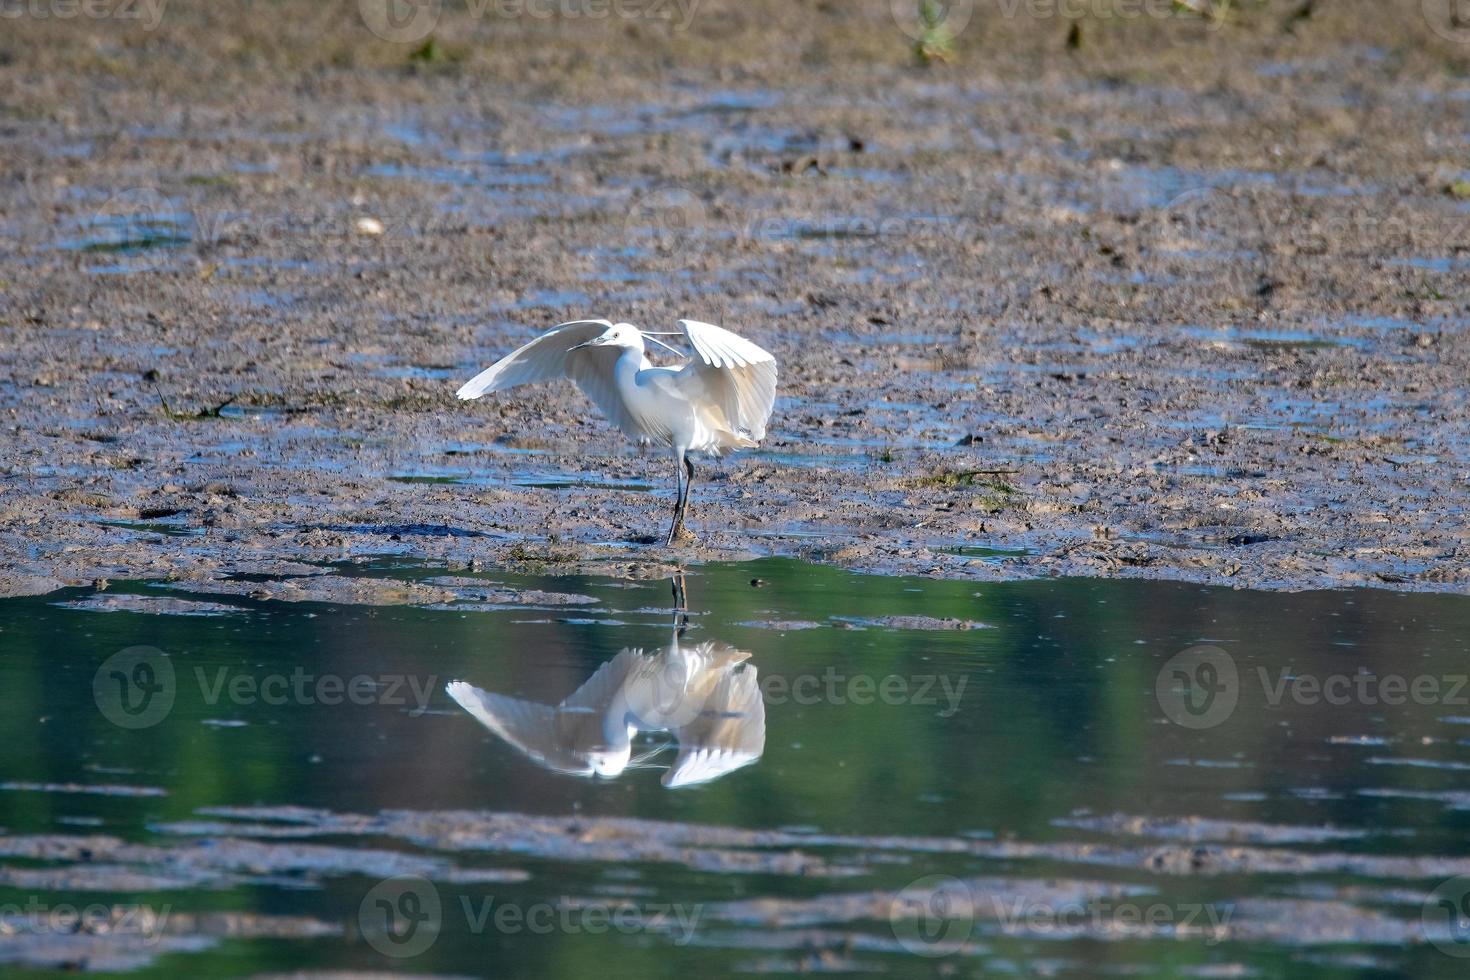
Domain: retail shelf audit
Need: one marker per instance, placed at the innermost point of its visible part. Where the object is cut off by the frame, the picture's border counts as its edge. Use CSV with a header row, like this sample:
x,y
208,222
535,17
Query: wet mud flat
x,y
1168,299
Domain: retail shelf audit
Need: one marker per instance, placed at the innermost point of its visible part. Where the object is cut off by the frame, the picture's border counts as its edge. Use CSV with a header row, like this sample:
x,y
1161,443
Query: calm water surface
x,y
818,771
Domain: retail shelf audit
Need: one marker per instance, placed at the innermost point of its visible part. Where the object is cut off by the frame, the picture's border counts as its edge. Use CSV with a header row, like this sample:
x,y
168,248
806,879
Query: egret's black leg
x,y
688,488
678,499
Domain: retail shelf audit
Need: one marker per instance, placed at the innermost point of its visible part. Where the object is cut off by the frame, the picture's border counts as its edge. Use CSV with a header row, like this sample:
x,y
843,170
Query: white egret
x,y
719,400
714,711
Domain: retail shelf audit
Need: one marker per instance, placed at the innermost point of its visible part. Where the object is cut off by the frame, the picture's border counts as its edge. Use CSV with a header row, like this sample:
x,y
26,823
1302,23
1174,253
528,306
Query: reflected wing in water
x,y
704,694
666,692
587,734
729,731
529,727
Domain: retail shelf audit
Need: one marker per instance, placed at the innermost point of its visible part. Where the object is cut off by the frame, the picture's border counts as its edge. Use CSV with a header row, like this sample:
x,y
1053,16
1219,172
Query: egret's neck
x,y
630,362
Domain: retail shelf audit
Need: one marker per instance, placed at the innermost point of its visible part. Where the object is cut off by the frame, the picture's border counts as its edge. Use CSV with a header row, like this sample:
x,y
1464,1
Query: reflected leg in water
x,y
681,602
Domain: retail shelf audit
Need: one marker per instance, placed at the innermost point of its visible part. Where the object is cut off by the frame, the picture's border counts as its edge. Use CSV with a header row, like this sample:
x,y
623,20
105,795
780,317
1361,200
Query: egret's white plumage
x,y
699,693
729,732
719,400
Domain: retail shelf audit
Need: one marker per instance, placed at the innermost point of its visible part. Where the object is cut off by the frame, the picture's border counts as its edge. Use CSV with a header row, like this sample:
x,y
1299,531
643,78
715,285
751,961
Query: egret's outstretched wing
x,y
528,727
562,738
732,374
605,686
729,732
551,356
542,359
720,348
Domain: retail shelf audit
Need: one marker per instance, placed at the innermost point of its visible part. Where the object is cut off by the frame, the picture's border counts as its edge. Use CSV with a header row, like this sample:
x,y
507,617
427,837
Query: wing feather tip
x,y
462,692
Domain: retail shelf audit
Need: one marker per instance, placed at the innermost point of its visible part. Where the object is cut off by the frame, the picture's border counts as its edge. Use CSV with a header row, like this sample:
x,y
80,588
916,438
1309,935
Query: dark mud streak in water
x,y
259,845
121,938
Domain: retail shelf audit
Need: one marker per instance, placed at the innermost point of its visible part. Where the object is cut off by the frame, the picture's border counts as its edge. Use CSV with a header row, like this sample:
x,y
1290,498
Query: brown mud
x,y
1145,296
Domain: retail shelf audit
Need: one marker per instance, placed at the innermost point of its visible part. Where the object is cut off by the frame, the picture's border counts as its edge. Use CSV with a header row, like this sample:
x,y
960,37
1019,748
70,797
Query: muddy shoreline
x,y
1172,301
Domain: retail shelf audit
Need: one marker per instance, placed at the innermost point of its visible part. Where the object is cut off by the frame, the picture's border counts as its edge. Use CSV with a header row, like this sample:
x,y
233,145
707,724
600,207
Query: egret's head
x,y
617,335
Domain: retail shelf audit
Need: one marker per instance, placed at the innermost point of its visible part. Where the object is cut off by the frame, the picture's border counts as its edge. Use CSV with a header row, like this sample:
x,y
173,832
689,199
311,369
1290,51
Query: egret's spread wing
x,y
734,375
564,737
530,728
720,348
728,733
602,688
551,356
542,359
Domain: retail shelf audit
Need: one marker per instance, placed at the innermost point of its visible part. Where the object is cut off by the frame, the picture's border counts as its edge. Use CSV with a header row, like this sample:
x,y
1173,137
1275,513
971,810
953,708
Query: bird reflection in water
x,y
704,695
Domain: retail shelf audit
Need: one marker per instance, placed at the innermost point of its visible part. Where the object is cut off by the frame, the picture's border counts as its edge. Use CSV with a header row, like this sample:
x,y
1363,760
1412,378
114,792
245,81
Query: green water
x,y
1021,795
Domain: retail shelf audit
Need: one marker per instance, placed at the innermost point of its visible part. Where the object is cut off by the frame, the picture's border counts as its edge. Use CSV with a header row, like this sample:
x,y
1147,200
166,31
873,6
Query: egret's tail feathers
x,y
719,657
